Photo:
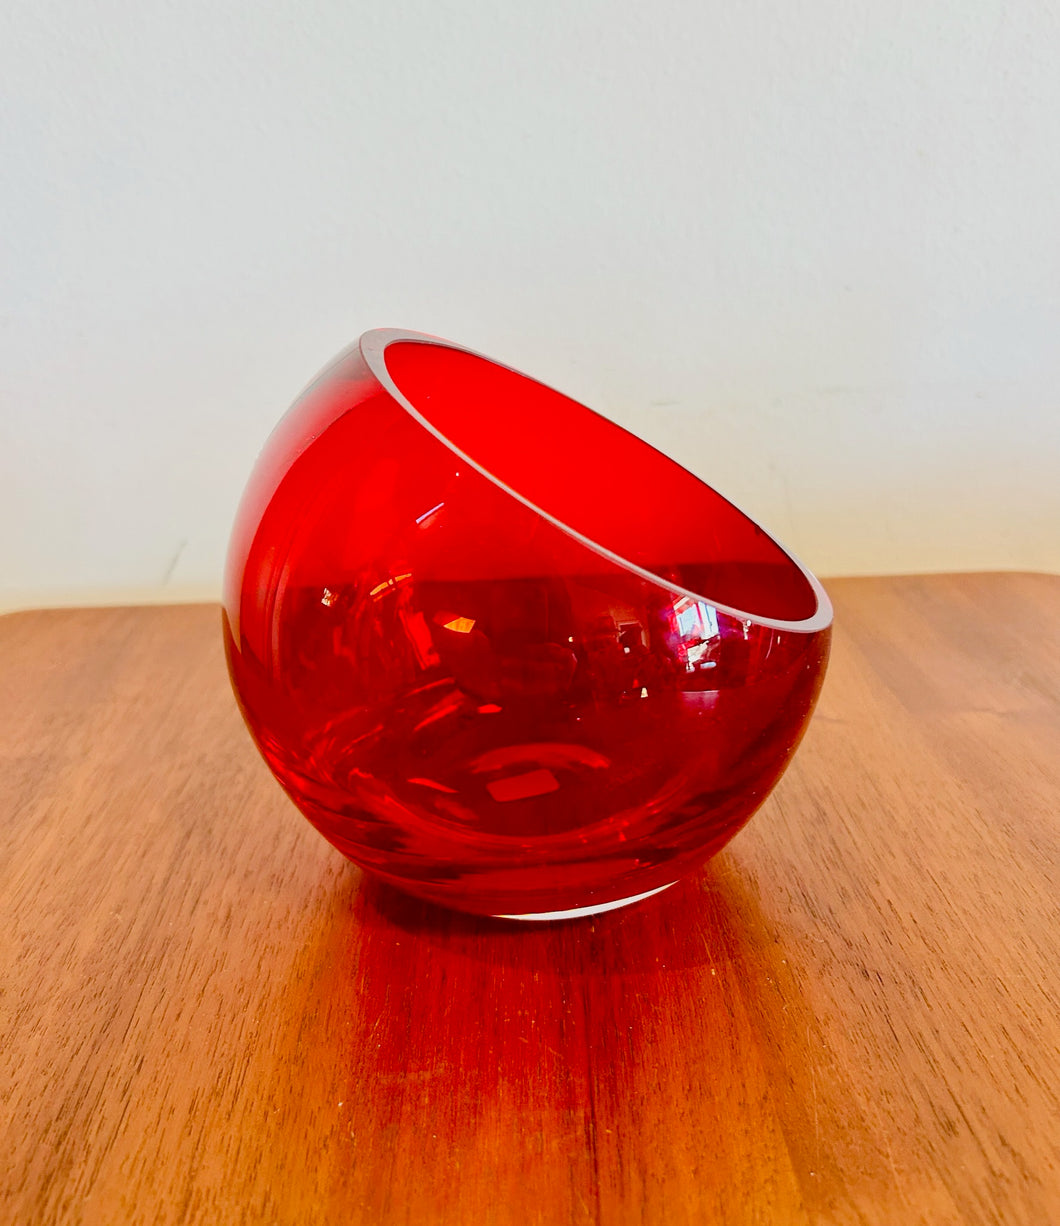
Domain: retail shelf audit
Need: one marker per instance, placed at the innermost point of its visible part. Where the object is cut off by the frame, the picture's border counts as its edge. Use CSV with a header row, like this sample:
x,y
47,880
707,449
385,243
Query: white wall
x,y
811,249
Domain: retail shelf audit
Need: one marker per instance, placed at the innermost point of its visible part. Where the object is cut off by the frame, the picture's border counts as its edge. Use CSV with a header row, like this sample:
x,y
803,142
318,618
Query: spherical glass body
x,y
499,651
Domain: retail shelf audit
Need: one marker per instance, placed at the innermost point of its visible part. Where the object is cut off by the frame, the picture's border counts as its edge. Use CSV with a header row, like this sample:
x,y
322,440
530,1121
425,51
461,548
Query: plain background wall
x,y
812,250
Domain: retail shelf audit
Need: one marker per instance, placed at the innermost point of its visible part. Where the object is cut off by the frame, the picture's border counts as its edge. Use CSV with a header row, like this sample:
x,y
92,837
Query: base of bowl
x,y
577,912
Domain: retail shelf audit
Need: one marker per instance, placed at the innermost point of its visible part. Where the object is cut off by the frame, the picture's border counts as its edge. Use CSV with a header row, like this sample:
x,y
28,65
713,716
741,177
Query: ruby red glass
x,y
500,652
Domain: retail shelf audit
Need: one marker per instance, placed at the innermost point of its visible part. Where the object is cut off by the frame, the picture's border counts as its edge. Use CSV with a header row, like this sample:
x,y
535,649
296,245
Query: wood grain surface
x,y
208,1016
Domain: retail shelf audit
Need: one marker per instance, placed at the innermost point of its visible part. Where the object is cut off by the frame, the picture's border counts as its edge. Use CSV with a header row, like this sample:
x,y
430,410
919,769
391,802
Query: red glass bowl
x,y
498,650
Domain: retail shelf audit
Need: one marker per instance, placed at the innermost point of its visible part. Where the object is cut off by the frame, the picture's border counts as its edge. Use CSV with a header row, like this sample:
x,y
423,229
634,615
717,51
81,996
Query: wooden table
x,y
850,1016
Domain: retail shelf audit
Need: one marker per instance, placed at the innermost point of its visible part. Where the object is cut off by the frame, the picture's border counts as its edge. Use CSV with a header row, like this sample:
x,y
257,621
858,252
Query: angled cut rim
x,y
372,347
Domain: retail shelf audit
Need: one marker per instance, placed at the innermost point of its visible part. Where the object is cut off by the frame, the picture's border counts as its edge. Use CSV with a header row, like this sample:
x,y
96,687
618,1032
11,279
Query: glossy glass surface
x,y
500,652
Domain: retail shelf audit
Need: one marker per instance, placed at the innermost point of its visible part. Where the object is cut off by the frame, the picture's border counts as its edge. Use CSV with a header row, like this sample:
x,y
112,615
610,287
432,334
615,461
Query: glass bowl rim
x,y
372,346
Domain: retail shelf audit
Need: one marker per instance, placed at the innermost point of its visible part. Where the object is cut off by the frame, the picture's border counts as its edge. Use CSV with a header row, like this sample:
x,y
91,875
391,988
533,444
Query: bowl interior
x,y
600,481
